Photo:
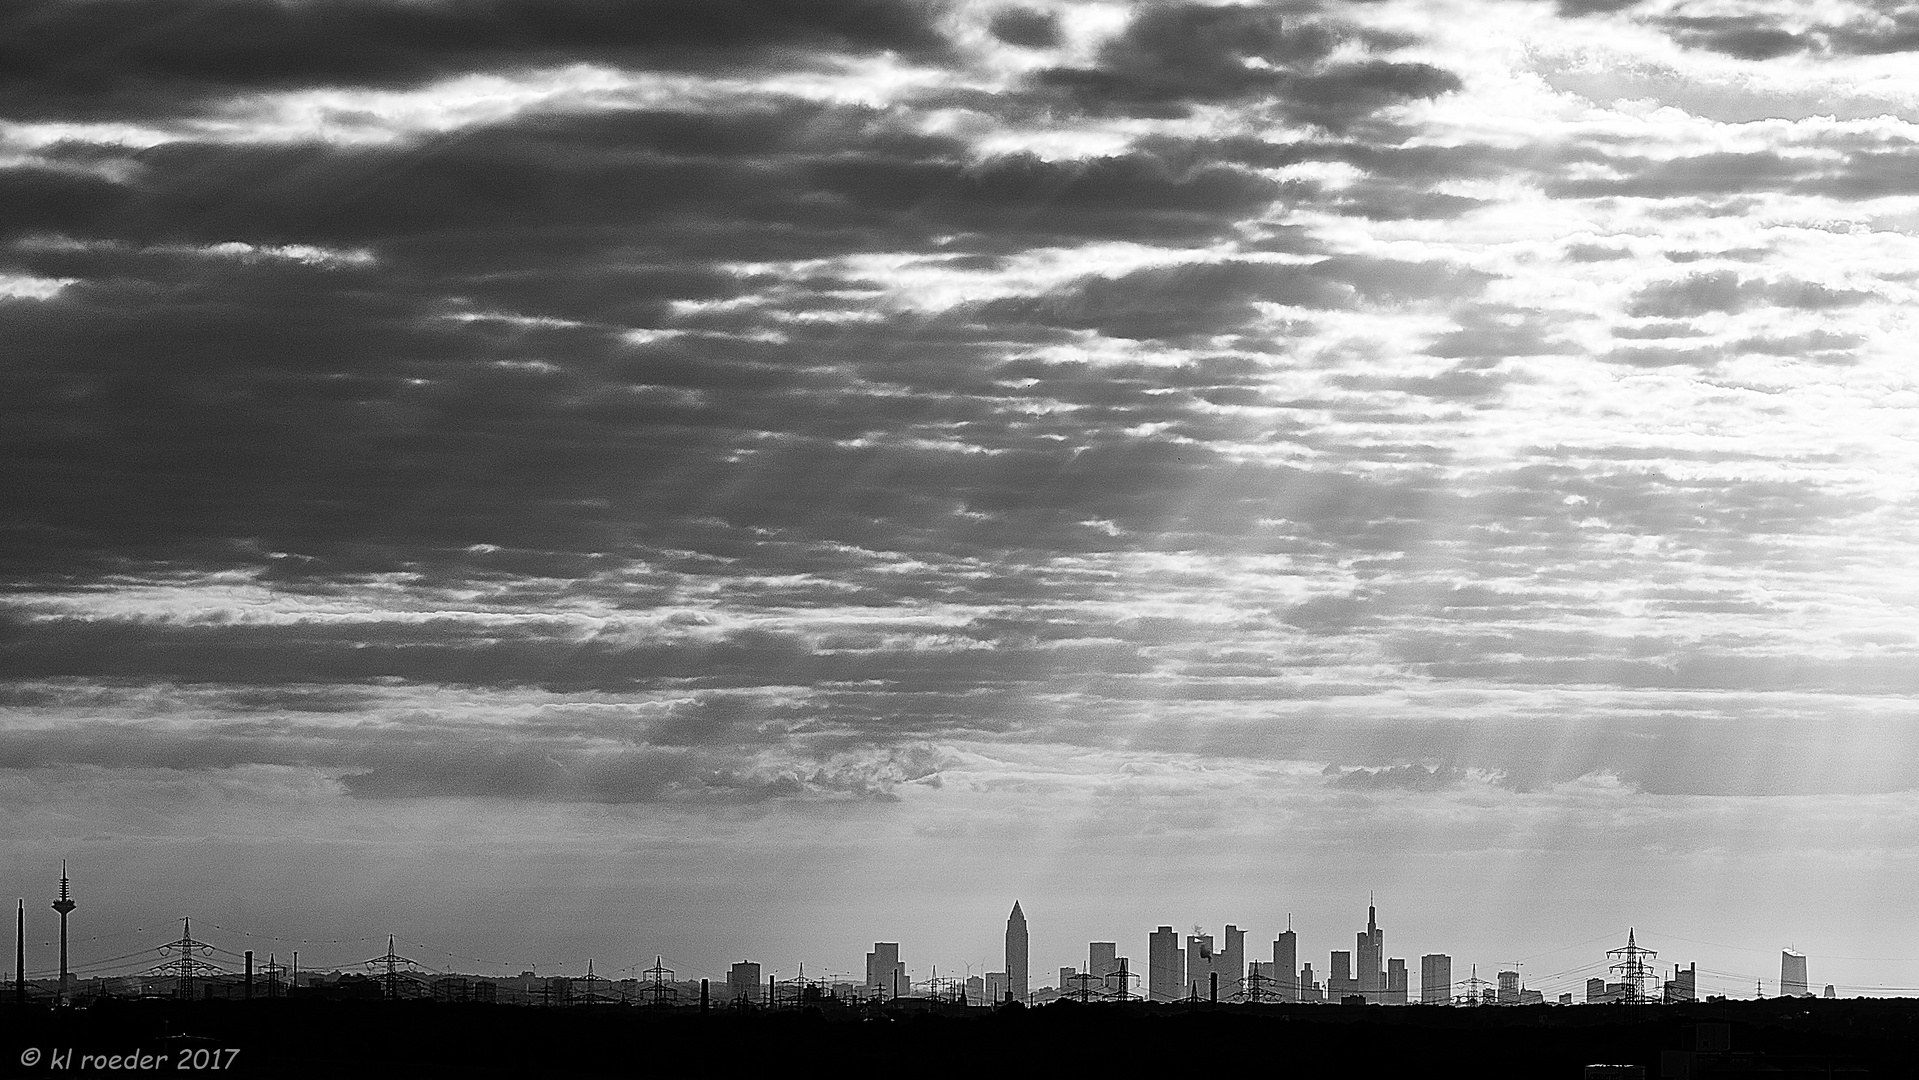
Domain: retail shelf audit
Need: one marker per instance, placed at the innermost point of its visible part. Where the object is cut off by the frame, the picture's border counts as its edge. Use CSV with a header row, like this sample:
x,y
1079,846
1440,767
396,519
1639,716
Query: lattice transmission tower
x,y
185,968
658,990
389,969
1634,967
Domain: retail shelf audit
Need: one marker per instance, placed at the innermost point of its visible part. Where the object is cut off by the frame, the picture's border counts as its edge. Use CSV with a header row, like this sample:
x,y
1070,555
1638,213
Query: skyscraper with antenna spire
x,y
64,905
1371,975
1286,962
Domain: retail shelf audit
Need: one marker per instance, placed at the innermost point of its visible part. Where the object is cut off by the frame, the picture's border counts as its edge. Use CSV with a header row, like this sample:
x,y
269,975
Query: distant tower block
x,y
1792,974
64,905
1166,966
1286,962
1436,979
1102,959
1016,978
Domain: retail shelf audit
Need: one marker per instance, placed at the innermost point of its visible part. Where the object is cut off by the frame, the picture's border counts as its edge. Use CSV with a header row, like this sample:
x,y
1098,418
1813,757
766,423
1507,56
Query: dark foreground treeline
x,y
1774,1039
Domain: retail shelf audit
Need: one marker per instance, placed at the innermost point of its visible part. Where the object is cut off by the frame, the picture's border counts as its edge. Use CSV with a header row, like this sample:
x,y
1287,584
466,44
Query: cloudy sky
x,y
746,479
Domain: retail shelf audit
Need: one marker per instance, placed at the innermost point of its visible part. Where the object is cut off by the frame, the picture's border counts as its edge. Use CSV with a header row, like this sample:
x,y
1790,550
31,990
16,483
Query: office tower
x,y
1102,959
1371,976
1232,962
1595,991
996,987
1395,981
1016,981
1435,979
1339,976
884,972
1828,994
975,990
1792,974
1308,986
1286,963
1509,988
1067,984
1199,966
1684,984
1166,965
744,981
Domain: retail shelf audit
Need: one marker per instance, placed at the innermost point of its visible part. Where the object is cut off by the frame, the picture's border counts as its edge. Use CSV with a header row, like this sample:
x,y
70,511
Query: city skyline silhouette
x,y
1197,968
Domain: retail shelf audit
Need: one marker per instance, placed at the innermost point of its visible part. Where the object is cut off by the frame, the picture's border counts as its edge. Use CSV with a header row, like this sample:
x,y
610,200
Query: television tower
x,y
63,905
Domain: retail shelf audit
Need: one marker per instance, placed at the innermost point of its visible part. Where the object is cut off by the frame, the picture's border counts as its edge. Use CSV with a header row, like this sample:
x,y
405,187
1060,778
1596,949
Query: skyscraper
x,y
1286,963
884,972
743,981
1102,959
1016,981
1199,966
1435,979
1339,976
1232,965
1372,943
1509,988
1166,965
1395,981
1684,984
1792,974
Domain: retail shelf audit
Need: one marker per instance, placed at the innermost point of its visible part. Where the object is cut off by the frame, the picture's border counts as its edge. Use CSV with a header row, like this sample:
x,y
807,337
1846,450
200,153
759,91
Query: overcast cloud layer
x,y
807,473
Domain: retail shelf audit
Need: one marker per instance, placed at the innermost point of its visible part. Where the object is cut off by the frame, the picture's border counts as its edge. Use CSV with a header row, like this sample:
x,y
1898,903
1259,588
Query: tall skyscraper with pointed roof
x,y
1372,946
1016,980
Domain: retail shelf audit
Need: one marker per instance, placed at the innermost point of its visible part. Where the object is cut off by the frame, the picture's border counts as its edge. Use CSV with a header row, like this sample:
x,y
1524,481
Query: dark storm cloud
x,y
1175,56
545,761
1892,28
1492,335
1211,298
125,58
1173,302
1593,7
1740,36
1839,166
1823,346
1728,291
787,181
1462,384
454,651
632,776
1719,173
359,415
1032,29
